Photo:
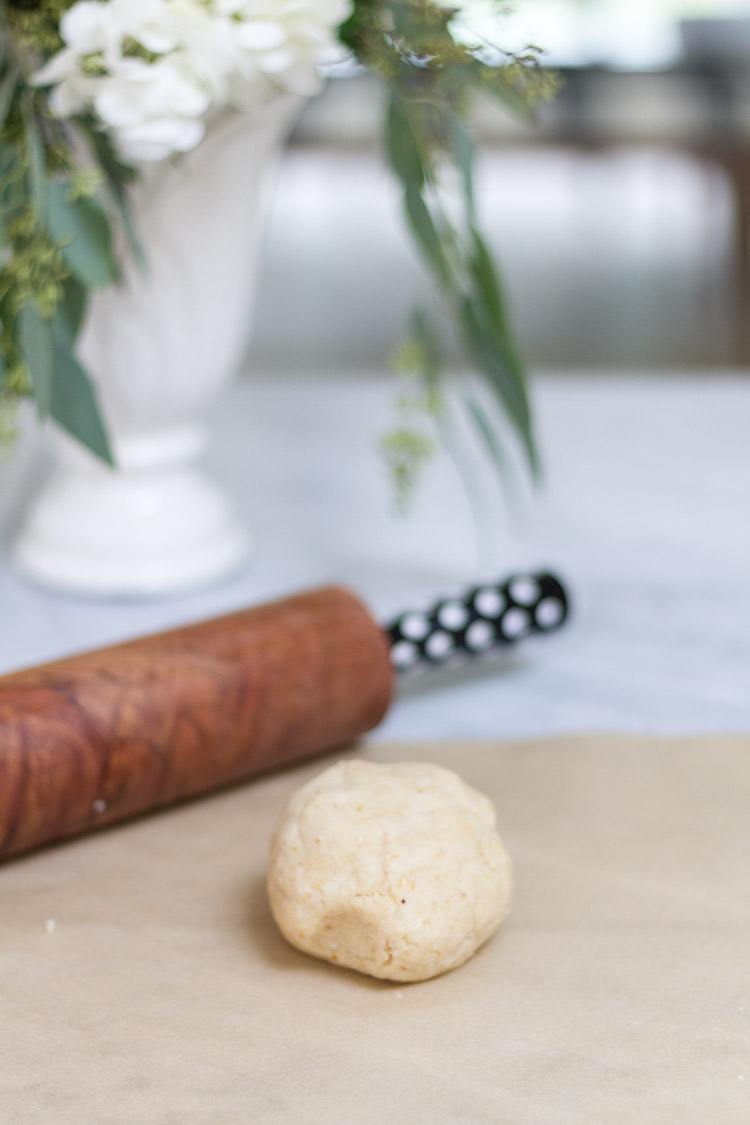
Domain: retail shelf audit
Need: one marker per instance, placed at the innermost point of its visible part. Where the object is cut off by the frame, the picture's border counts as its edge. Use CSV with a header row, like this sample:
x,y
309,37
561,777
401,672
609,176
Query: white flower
x,y
153,109
151,106
150,70
72,88
193,26
91,26
89,31
278,45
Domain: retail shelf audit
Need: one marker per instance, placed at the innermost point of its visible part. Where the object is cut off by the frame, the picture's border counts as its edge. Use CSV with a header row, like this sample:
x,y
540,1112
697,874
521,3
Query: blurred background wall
x,y
620,218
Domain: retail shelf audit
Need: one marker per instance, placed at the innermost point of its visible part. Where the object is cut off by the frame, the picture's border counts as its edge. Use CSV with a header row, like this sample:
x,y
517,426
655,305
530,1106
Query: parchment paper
x,y
618,990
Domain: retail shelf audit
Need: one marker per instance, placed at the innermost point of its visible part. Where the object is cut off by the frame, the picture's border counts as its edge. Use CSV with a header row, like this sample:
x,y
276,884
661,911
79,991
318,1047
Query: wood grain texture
x,y
106,735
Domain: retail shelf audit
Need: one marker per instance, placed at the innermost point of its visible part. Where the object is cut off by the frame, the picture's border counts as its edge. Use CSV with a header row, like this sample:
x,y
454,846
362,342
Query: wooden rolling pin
x,y
94,739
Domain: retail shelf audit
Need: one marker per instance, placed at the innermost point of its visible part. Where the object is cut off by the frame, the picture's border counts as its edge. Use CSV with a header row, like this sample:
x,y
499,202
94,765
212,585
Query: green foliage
x,y
80,228
406,451
409,445
35,24
35,340
429,80
73,403
56,238
63,189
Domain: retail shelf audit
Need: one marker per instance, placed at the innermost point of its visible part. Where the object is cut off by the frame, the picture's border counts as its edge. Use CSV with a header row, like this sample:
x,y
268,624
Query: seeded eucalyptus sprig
x,y
429,80
55,233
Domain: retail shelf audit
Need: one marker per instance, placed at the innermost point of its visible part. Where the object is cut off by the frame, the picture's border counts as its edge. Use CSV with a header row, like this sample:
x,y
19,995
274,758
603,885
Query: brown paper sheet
x,y
617,991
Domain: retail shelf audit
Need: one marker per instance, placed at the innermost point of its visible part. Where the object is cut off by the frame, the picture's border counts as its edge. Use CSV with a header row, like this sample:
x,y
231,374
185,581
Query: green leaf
x,y
461,148
82,230
35,339
74,403
113,168
402,145
7,90
488,434
118,176
491,309
486,281
10,158
426,340
497,361
37,165
426,233
71,310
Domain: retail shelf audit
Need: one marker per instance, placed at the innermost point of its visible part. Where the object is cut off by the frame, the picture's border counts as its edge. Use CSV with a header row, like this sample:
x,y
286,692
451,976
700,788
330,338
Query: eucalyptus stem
x,y
429,78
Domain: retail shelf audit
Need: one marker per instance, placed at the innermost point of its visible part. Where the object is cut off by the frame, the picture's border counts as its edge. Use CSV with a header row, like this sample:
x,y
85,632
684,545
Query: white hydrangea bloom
x,y
278,44
88,30
145,67
150,70
153,109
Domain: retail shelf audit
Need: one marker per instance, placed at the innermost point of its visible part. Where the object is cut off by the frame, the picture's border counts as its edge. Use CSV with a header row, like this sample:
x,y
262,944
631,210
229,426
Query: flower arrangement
x,y
92,91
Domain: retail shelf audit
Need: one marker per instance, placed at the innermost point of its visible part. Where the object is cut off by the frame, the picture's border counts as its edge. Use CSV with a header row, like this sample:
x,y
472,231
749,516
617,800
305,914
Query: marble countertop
x,y
645,513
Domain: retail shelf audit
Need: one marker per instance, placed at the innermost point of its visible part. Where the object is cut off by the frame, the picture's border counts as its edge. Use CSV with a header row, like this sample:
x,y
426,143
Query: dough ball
x,y
394,870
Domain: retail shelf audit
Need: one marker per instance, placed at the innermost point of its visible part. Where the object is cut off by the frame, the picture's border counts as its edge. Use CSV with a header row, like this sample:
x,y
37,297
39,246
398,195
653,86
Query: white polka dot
x,y
525,591
415,626
453,615
479,635
439,645
403,654
514,622
549,612
489,602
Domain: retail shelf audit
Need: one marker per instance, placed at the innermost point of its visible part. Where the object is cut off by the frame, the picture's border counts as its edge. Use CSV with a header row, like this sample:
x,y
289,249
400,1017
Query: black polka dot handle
x,y
478,620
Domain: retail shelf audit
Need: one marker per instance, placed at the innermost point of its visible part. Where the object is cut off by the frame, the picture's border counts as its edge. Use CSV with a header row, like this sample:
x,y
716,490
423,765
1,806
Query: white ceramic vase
x,y
161,347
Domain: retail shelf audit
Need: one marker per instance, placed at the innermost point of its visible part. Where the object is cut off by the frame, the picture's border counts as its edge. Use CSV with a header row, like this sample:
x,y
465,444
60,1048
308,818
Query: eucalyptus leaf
x,y
113,168
488,433
118,176
508,350
37,164
402,145
7,90
486,280
82,231
491,310
426,233
74,403
461,148
71,310
8,157
429,351
498,364
35,339
8,160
